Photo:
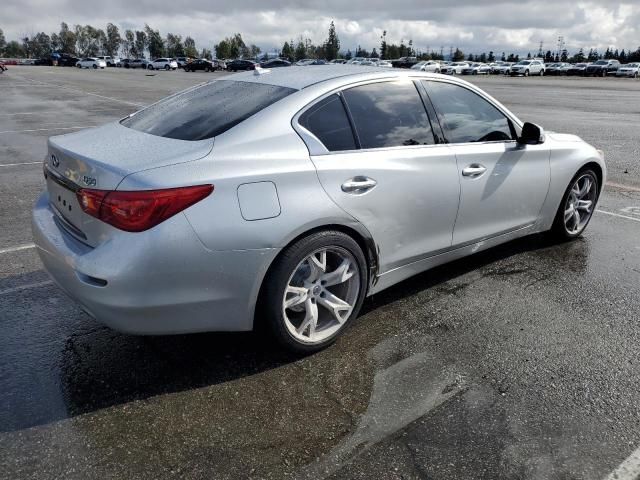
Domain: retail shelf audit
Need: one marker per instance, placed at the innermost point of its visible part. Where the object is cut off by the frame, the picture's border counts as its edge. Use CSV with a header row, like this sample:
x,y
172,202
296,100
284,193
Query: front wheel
x,y
526,73
542,73
95,67
150,67
577,206
315,289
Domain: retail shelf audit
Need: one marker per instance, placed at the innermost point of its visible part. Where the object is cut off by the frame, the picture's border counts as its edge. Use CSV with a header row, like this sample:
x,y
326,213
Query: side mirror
x,y
531,134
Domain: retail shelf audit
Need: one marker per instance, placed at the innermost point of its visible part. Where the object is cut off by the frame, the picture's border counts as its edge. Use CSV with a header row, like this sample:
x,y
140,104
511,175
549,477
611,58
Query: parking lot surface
x,y
518,363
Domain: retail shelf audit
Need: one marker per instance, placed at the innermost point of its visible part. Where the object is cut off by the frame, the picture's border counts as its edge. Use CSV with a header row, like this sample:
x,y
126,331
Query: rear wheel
x,y
150,67
167,67
315,289
577,206
95,66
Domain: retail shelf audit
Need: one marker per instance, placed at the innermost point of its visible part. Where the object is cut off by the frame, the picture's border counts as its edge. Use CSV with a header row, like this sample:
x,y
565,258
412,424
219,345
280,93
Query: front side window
x,y
467,117
206,111
328,121
388,114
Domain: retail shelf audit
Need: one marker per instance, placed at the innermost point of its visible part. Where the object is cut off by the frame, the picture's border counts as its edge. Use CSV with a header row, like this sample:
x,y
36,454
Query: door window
x,y
328,121
467,117
388,114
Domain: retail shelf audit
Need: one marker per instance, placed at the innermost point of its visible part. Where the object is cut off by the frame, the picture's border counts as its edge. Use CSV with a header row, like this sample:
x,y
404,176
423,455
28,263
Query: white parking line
x,y
635,219
627,470
17,249
25,287
76,90
46,129
15,164
622,187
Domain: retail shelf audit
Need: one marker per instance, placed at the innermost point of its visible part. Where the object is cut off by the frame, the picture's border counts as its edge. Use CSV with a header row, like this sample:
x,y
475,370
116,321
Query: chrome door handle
x,y
474,170
358,185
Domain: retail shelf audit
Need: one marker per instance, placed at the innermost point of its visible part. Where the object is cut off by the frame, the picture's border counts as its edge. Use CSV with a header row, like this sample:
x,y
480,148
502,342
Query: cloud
x,y
472,25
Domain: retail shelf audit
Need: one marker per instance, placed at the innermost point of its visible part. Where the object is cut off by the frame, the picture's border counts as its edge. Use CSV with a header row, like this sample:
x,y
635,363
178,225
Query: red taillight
x,y
139,210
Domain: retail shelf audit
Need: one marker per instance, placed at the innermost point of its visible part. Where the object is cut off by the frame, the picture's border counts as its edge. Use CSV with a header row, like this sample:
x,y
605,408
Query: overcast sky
x,y
473,25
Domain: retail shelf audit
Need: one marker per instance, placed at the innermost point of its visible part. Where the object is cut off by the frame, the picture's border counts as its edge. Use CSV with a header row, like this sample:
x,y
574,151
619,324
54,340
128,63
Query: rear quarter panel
x,y
264,148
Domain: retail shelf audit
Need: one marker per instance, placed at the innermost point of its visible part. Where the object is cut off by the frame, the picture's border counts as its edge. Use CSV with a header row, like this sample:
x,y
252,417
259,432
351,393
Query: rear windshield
x,y
206,111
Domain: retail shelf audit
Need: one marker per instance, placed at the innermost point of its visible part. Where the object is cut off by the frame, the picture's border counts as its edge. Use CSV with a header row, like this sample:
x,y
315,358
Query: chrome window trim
x,y
317,148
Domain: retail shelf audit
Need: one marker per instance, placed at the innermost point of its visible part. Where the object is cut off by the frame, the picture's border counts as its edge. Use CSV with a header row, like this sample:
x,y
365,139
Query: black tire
x,y
95,67
559,230
149,67
526,73
270,304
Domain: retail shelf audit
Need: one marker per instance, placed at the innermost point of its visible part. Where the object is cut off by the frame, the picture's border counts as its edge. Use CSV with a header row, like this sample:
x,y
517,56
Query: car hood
x,y
102,157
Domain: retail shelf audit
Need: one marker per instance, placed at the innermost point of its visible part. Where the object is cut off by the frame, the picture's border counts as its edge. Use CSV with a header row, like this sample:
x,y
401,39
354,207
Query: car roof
x,y
301,77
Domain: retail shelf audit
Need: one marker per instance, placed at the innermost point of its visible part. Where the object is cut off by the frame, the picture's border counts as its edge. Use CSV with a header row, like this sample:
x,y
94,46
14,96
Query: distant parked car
x,y
200,64
220,64
476,69
528,67
110,61
557,68
163,64
338,61
137,63
313,61
66,60
91,62
628,70
454,68
385,64
504,68
182,61
427,66
602,68
404,62
356,60
240,65
577,69
275,63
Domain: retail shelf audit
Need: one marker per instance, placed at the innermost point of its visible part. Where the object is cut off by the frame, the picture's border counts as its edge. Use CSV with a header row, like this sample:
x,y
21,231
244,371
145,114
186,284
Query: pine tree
x,y
383,45
332,45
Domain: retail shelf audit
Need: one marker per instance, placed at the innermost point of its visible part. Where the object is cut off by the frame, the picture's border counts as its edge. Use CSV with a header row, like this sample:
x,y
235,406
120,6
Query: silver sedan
x,y
286,197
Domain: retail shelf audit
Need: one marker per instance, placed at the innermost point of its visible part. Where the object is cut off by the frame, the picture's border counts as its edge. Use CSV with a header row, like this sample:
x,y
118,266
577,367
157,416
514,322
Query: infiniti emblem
x,y
54,161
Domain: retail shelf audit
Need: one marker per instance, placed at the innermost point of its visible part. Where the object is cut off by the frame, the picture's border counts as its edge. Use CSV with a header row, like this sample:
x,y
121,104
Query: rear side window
x,y
467,117
328,121
206,111
389,114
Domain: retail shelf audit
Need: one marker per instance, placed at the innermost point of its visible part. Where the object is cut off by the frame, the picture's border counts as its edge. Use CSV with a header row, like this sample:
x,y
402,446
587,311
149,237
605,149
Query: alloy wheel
x,y
321,294
580,204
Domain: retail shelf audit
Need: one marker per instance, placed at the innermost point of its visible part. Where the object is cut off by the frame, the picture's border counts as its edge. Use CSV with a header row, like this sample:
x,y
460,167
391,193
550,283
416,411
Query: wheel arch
x,y
597,168
363,239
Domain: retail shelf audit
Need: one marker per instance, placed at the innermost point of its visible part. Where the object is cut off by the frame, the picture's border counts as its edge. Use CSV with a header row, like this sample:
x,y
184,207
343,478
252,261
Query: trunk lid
x,y
100,158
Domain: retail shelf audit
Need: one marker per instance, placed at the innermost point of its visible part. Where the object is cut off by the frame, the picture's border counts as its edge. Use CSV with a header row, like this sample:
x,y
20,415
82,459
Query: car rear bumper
x,y
162,281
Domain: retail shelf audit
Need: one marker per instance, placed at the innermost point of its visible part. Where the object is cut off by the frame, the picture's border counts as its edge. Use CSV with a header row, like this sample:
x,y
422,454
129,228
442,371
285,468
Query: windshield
x,y
524,62
601,62
206,111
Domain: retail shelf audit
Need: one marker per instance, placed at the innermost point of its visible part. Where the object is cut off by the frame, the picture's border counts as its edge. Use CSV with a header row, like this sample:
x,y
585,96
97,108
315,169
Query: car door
x,y
503,184
387,171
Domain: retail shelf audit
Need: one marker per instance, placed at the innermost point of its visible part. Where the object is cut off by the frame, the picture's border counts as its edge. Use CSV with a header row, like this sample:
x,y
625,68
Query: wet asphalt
x,y
517,363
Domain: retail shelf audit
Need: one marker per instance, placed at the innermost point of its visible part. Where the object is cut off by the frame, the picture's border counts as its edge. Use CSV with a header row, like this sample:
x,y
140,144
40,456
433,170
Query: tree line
x,y
89,41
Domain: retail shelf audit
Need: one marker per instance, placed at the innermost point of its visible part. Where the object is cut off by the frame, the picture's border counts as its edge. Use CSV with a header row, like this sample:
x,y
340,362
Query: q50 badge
x,y
89,181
